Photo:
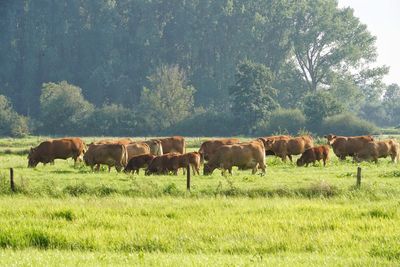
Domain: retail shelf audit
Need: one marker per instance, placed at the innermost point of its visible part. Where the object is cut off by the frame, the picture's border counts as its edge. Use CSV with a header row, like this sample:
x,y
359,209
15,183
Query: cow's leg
x,y
137,171
254,170
290,157
262,166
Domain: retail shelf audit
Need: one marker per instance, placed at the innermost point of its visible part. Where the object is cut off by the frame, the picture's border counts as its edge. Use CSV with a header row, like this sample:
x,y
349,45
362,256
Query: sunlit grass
x,y
66,215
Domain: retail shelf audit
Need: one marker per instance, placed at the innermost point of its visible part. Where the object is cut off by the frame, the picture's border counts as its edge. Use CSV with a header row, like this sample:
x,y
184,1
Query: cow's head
x,y
32,158
155,147
331,138
268,144
208,169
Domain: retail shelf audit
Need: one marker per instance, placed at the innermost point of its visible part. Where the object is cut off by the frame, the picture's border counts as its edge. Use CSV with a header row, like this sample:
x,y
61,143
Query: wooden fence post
x,y
188,177
358,184
12,185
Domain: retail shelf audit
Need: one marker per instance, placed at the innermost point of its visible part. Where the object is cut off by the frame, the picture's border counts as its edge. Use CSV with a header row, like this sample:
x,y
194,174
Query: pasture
x,y
66,215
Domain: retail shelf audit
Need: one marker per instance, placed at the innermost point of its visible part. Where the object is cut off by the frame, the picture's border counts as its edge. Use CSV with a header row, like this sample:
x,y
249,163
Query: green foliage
x,y
318,106
168,100
11,124
391,103
63,108
289,121
110,120
348,124
328,40
210,123
253,98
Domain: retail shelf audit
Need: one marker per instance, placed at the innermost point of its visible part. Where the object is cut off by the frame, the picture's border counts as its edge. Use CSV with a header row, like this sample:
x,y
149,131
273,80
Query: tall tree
x,y
168,99
329,40
253,98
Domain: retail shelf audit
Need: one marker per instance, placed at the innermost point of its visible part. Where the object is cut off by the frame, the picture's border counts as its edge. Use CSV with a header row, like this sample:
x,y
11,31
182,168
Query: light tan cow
x,y
208,147
108,154
378,149
287,147
250,155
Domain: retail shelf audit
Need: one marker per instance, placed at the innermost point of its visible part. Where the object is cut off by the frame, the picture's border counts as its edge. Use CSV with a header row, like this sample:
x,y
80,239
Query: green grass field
x,y
65,215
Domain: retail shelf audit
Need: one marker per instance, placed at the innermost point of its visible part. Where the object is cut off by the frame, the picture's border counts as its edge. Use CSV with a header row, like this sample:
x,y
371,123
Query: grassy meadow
x,y
65,215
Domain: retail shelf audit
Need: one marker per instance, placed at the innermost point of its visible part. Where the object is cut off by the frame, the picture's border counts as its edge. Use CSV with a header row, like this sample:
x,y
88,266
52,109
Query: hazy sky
x,y
383,20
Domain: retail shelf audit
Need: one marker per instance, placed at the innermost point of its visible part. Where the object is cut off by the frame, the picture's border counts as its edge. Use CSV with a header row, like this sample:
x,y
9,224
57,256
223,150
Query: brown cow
x,y
138,162
378,149
136,149
173,144
161,164
208,148
182,161
314,154
344,146
269,152
155,147
124,141
287,147
108,154
249,155
52,149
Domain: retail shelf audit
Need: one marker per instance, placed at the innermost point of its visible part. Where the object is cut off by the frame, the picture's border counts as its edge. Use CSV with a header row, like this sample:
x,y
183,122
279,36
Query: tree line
x,y
210,67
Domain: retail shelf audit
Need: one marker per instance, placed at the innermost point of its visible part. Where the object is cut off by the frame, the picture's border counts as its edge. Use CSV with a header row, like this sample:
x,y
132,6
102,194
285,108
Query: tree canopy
x,y
122,55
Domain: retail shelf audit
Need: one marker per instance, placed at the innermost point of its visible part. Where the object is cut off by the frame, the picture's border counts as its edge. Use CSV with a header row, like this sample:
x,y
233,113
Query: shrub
x,y
208,123
63,108
319,105
348,124
289,121
111,120
11,123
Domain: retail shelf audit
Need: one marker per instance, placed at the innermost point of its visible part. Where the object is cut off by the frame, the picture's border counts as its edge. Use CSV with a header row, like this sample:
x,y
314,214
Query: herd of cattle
x,y
165,155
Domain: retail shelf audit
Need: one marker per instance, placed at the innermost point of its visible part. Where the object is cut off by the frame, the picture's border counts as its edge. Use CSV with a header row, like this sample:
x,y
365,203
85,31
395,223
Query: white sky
x,y
382,18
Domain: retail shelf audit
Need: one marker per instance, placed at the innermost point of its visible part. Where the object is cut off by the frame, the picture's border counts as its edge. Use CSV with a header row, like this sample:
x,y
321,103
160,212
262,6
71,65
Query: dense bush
x,y
11,123
63,108
317,106
284,121
110,120
348,124
205,124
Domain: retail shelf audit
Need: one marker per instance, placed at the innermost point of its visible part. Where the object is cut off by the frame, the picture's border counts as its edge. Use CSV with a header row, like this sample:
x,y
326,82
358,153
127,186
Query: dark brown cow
x,y
52,149
108,154
138,162
344,146
161,164
287,147
378,149
174,144
265,139
249,155
314,154
208,148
